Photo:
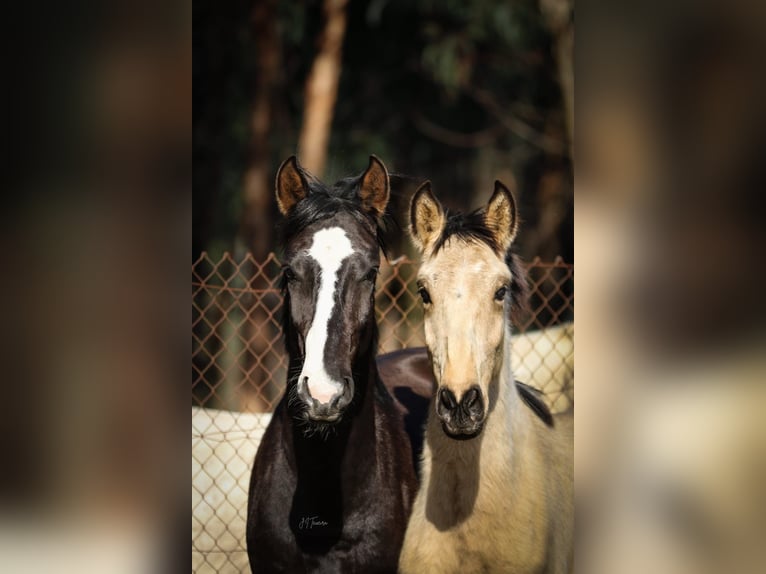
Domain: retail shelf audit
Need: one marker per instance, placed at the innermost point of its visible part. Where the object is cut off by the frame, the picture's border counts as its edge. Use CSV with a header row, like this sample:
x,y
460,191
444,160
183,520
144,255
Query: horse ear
x,y
375,187
291,185
427,218
501,216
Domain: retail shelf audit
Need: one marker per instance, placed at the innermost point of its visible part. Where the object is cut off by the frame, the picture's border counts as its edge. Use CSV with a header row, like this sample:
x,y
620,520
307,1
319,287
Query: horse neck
x,y
508,421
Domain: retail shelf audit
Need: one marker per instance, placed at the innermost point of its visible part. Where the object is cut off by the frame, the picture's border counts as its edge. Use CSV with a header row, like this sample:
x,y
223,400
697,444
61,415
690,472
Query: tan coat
x,y
502,502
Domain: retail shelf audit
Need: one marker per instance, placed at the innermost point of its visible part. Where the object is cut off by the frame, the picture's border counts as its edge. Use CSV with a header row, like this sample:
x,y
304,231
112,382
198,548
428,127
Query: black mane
x,y
533,398
472,227
468,227
324,201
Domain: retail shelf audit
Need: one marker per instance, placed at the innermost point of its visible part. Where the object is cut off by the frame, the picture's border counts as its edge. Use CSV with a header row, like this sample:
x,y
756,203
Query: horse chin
x,y
323,426
325,418
463,433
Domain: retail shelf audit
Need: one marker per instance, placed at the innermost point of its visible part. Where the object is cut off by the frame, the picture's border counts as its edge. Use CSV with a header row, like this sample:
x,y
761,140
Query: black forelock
x,y
324,201
472,227
468,227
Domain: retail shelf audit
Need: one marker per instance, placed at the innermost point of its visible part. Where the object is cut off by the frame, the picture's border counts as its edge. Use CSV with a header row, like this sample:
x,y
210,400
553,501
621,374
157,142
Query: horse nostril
x,y
447,399
472,404
470,397
343,397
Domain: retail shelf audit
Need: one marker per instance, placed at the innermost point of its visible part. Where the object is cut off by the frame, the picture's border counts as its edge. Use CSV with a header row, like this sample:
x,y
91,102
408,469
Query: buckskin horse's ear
x,y
292,186
426,218
501,216
375,188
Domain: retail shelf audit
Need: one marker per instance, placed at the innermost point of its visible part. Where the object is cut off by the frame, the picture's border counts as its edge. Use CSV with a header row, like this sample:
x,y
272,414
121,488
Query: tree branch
x,y
456,139
553,146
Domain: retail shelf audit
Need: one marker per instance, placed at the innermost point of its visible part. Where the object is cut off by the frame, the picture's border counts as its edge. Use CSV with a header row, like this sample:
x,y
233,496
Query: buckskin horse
x,y
497,487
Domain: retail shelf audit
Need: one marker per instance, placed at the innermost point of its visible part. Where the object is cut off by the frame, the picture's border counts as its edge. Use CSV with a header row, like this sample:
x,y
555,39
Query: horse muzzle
x,y
462,419
329,409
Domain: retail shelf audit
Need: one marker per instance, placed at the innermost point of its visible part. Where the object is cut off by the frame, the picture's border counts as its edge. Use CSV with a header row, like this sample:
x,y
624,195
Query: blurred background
x,y
96,214
670,440
461,93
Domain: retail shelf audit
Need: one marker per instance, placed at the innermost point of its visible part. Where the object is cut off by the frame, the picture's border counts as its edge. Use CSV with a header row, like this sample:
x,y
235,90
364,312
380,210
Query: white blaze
x,y
329,248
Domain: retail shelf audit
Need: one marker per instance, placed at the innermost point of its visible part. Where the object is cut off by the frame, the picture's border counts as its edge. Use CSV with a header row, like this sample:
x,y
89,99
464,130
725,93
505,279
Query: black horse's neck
x,y
326,460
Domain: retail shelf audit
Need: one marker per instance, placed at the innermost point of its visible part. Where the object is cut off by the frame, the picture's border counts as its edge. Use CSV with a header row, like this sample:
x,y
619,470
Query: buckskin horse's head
x,y
469,283
331,260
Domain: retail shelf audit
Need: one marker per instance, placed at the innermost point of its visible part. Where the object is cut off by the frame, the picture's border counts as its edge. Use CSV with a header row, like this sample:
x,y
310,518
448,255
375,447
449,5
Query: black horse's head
x,y
332,254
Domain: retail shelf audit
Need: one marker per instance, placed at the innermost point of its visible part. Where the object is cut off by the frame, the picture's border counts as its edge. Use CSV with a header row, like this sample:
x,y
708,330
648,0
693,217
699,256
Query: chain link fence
x,y
239,372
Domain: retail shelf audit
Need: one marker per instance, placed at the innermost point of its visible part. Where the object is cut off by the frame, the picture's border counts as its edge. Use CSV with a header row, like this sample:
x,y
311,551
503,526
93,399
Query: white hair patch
x,y
329,248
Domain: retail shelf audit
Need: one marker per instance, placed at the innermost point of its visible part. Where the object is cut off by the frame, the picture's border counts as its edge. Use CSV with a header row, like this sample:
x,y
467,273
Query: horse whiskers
x,y
312,428
292,397
298,410
295,371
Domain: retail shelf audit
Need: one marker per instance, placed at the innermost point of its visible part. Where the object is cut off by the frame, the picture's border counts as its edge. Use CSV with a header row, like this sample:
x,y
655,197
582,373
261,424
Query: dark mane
x,y
468,227
471,227
532,397
519,288
324,201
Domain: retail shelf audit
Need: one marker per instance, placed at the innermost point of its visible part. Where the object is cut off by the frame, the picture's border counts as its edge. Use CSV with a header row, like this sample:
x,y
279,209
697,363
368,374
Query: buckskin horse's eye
x,y
500,293
424,295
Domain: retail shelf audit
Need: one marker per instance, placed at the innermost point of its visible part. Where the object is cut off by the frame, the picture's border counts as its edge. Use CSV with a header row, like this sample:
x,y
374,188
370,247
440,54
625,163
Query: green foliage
x,y
402,60
445,58
485,41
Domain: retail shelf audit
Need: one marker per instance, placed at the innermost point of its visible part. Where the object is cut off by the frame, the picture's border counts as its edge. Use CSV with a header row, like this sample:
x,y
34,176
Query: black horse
x,y
333,480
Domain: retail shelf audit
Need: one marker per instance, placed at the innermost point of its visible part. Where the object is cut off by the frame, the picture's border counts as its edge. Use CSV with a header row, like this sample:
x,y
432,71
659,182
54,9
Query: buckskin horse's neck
x,y
455,469
502,425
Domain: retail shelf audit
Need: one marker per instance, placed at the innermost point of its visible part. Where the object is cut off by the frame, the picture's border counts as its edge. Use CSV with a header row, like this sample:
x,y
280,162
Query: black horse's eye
x,y
501,293
371,275
289,274
424,295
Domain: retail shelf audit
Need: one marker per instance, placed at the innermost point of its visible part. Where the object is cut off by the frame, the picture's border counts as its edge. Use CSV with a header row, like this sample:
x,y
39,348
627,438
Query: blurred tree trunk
x,y
256,225
553,193
558,18
322,88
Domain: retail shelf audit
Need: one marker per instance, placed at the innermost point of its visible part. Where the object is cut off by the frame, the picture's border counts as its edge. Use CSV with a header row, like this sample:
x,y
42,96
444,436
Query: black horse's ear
x,y
427,218
375,187
291,185
501,216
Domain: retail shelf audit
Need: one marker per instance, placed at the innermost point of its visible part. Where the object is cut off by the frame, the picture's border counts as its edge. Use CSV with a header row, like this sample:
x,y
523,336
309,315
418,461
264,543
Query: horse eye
x,y
500,293
372,274
424,295
289,274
